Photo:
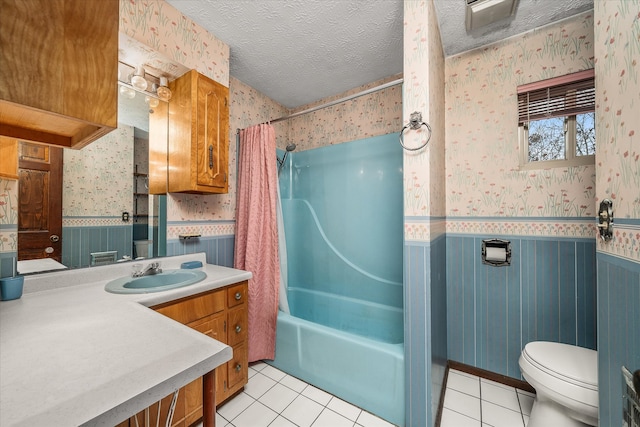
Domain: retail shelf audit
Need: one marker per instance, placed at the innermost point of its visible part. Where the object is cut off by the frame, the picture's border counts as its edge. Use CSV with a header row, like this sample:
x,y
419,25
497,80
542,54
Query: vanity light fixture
x,y
127,92
137,80
163,91
153,102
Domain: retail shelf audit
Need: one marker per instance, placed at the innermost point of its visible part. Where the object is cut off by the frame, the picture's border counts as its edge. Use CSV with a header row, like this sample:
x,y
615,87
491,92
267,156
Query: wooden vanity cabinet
x,y
59,72
198,158
8,158
222,315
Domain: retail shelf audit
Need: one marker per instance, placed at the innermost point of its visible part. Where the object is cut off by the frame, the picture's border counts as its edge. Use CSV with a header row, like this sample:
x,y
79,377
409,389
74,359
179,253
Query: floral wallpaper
x,y
162,27
98,180
375,114
482,153
424,170
8,215
617,104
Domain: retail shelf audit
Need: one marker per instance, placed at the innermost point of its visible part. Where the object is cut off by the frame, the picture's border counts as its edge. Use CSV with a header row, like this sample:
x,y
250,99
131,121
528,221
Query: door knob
x,y
54,238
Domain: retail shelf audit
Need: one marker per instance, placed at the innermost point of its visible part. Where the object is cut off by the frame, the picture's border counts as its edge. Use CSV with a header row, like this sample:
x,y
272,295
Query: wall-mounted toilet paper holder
x,y
496,252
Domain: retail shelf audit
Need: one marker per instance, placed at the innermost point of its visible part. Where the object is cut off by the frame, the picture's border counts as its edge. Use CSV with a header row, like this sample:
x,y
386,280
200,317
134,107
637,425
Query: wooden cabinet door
x,y
212,132
214,327
40,202
237,368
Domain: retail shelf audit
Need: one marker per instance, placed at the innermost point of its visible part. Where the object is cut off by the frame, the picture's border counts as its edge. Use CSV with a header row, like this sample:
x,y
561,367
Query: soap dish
x,y
189,265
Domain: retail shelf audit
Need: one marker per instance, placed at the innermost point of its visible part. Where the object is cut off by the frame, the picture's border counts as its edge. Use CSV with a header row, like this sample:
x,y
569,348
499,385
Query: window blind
x,y
558,97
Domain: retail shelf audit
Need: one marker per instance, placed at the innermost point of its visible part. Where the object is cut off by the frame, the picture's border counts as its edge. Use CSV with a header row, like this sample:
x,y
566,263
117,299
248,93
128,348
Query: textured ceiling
x,y
299,51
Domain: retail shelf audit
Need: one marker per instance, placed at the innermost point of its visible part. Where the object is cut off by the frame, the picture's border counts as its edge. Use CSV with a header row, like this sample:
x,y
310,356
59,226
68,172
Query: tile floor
x,y
470,401
273,398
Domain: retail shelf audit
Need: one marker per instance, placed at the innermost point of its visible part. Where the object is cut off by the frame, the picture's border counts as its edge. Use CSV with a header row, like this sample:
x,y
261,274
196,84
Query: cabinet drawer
x,y
237,369
237,331
237,294
212,326
193,308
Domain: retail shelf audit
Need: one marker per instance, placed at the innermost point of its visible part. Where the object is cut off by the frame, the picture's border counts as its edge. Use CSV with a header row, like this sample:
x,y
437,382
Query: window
x,y
556,121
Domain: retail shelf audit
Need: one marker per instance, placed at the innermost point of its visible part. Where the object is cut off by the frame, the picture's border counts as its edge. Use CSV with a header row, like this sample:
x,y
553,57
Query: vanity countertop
x,y
73,354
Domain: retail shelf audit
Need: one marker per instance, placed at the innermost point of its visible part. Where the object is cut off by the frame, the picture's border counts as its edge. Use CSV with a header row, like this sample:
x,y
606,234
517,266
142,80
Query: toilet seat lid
x,y
570,363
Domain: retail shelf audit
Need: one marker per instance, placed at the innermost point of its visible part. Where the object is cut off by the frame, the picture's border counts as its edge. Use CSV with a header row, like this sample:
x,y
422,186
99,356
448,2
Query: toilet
x,y
565,378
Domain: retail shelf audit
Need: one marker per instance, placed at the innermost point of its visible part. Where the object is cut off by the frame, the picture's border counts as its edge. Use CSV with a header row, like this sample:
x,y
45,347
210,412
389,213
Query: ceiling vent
x,y
484,12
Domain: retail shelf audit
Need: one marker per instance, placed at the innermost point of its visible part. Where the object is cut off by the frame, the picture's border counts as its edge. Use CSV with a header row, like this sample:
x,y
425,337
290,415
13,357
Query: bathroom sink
x,y
168,279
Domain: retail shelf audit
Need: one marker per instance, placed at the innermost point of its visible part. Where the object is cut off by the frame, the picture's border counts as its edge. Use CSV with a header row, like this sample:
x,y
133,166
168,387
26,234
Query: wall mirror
x,y
106,213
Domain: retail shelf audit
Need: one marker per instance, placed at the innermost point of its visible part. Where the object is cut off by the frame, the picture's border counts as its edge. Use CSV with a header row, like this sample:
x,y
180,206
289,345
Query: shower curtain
x,y
256,248
283,302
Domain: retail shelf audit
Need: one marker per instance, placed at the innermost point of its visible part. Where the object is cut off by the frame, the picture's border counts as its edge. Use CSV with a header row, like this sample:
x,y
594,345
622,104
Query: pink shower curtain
x,y
256,247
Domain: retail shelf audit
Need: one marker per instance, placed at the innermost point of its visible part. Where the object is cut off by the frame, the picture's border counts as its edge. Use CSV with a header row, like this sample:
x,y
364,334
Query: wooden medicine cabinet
x,y
198,157
58,79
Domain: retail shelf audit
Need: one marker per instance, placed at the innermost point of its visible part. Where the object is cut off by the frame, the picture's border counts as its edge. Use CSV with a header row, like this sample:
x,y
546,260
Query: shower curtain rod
x,y
337,101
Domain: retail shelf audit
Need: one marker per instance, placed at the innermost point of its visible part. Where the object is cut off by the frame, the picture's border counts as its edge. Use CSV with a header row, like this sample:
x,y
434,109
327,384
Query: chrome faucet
x,y
149,270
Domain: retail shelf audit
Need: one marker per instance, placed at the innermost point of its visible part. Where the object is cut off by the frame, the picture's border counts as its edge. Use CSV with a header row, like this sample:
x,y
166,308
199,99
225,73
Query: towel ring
x,y
415,123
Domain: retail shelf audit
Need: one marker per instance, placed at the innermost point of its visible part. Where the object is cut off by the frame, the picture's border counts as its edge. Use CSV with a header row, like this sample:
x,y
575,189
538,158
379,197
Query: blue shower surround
x,y
342,208
548,293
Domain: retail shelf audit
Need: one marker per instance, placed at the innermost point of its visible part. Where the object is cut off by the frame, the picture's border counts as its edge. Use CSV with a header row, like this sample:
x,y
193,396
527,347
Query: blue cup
x,y
11,288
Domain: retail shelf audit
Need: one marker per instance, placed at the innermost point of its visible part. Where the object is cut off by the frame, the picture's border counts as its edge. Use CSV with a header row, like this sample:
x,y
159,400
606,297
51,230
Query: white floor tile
x,y
499,416
466,374
317,395
220,421
302,411
526,420
256,415
293,383
273,373
328,418
369,420
278,397
235,406
502,396
464,383
526,402
454,419
462,403
526,393
258,385
252,372
258,366
495,383
281,422
344,408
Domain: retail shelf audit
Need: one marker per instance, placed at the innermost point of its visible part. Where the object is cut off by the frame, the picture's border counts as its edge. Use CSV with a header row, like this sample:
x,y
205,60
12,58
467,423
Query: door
x,y
39,202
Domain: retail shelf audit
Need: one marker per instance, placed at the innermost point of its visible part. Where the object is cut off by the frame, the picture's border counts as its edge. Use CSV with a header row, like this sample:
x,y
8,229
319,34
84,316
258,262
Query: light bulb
x,y
164,93
127,92
138,81
153,102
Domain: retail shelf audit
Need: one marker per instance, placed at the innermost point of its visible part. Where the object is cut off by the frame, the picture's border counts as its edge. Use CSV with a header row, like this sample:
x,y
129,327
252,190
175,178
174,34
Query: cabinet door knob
x,y
238,329
238,296
238,367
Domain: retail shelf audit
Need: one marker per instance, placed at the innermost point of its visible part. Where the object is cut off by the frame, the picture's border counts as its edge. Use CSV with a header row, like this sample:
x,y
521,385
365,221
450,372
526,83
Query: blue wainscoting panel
x,y
547,293
438,323
79,242
7,263
618,331
417,338
425,310
219,249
